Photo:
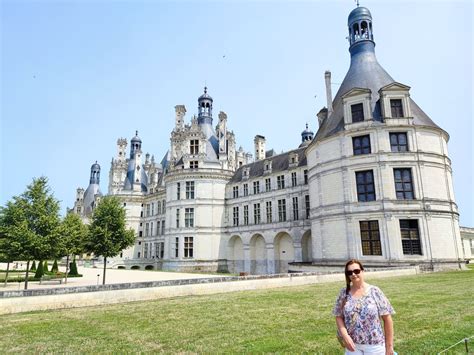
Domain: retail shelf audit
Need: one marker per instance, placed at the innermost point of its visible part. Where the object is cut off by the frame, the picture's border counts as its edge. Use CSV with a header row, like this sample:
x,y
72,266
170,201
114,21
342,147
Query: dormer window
x,y
357,107
293,159
267,167
193,164
396,108
395,101
357,112
246,173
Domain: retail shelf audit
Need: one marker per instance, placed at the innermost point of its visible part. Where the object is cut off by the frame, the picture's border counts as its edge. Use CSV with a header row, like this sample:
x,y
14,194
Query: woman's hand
x,y
349,342
389,351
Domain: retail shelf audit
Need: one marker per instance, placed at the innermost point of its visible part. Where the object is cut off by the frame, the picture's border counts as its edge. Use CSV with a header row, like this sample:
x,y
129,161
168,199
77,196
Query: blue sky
x,y
77,75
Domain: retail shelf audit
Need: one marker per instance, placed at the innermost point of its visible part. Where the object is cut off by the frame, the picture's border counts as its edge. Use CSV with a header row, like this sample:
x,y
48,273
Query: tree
x,y
55,268
73,237
107,233
30,224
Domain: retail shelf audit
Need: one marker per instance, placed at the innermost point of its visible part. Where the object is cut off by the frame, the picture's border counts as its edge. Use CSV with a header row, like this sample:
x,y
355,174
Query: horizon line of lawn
x,y
434,311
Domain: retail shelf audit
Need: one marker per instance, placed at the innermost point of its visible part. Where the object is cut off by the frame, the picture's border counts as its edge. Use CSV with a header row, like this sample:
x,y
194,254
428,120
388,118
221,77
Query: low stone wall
x,y
70,297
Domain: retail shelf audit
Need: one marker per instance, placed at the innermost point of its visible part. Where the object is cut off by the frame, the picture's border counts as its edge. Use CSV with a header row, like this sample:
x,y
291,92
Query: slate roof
x,y
280,163
364,72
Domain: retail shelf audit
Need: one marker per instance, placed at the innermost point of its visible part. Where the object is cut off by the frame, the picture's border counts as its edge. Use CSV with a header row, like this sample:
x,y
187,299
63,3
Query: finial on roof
x,y
357,2
205,89
306,125
136,133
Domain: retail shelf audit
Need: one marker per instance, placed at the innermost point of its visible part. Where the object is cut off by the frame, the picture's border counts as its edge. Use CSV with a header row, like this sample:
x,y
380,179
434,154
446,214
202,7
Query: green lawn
x,y
434,311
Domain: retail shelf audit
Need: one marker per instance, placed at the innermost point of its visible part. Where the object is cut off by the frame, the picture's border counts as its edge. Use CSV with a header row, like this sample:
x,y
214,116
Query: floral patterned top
x,y
362,315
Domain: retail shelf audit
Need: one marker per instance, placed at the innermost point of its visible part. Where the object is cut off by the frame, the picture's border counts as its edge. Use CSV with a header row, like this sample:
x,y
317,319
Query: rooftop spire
x,y
360,29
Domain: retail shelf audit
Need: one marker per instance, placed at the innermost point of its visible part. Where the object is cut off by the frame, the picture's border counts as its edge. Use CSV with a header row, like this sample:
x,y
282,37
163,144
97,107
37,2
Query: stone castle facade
x,y
374,183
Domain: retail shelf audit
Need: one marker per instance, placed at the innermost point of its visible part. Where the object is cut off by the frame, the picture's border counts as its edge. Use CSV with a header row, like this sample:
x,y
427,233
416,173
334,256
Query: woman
x,y
358,310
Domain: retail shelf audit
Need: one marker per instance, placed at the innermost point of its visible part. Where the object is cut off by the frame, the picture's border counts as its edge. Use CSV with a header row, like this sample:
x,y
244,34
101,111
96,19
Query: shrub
x,y
40,270
55,266
33,266
45,266
73,268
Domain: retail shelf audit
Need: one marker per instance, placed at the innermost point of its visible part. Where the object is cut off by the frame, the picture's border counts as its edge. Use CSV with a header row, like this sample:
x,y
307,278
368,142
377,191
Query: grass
x,y
434,311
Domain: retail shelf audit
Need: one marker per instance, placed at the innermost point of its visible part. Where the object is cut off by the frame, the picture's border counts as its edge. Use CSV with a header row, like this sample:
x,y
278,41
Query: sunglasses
x,y
355,272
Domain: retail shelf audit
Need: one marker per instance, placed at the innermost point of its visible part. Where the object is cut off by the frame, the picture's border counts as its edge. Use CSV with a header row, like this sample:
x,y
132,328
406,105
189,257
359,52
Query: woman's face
x,y
355,273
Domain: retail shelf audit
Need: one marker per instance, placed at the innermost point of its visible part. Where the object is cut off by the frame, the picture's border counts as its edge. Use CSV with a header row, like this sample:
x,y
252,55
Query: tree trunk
x,y
6,275
27,274
67,268
105,264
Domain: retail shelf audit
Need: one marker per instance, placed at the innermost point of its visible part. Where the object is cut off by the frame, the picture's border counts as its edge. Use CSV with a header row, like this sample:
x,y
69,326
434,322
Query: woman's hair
x,y
348,279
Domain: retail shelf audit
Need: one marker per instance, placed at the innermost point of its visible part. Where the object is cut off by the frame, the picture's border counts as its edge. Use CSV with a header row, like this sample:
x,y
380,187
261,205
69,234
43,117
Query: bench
x,y
50,279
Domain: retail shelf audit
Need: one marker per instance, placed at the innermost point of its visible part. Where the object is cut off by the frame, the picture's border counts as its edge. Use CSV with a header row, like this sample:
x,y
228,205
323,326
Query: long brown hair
x,y
348,279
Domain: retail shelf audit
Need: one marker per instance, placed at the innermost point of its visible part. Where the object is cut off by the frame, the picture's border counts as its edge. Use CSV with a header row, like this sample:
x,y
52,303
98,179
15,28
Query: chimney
x,y
327,78
259,147
180,111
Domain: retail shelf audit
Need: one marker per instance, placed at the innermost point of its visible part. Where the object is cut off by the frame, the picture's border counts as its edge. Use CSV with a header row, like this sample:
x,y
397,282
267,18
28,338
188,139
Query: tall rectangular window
x,y
365,186
162,227
410,237
189,217
157,250
399,142
194,146
147,228
146,251
189,190
235,191
295,208
151,228
178,191
268,184
177,218
305,173
148,210
269,211
361,145
176,247
158,225
153,209
256,187
256,213
163,208
282,210
307,206
246,215
403,184
396,107
357,113
280,182
158,207
236,215
293,179
188,247
370,238
246,189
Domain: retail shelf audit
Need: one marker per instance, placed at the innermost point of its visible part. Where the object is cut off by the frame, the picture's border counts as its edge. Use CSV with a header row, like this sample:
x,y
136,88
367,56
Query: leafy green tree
x,y
33,266
30,224
73,238
45,267
107,233
13,245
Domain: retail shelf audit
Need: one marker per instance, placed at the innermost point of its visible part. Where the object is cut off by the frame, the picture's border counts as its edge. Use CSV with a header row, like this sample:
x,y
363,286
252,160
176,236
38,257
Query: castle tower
x,y
385,197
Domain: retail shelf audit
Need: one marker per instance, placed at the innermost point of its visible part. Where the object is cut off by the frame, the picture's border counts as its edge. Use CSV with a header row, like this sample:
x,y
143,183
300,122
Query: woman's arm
x,y
343,331
388,329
